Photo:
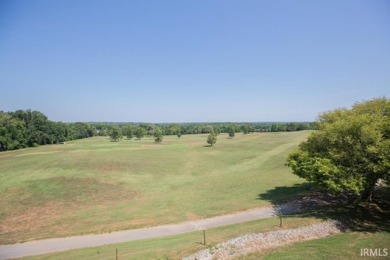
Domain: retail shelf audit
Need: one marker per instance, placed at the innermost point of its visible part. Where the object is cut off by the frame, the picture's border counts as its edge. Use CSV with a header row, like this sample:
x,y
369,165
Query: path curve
x,y
51,245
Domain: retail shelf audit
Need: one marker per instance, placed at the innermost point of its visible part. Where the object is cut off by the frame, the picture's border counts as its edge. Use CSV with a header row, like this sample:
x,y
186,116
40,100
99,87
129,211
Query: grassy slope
x,y
368,227
178,246
340,246
94,185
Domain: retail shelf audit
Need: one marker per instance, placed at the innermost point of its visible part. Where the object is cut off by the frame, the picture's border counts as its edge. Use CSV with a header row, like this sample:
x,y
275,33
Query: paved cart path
x,y
45,246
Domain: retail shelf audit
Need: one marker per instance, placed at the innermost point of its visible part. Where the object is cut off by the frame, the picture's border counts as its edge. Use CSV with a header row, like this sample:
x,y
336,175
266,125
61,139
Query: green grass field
x,y
95,186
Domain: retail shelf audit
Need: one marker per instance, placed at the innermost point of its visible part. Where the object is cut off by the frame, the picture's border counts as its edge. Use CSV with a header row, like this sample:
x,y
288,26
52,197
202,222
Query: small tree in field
x,y
211,138
178,133
116,134
231,131
158,135
351,150
139,132
245,129
128,131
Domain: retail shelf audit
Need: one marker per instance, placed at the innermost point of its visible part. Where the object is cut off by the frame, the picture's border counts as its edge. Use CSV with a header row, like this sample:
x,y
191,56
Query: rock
x,y
257,242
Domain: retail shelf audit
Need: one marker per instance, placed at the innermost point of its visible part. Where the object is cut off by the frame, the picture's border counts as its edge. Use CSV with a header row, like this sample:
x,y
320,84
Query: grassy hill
x,y
95,185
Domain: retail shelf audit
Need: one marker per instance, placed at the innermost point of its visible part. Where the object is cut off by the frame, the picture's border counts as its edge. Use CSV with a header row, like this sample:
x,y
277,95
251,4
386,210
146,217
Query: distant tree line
x,y
130,129
28,128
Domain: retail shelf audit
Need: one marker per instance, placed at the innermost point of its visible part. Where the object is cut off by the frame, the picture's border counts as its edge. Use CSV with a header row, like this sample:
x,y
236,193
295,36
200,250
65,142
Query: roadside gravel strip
x,y
256,242
45,246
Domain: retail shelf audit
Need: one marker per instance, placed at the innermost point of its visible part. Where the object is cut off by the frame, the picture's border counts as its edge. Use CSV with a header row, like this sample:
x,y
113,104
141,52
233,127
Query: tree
x,y
211,138
245,129
158,135
150,129
351,150
12,132
24,128
178,133
102,132
274,127
36,124
128,131
116,134
139,132
82,130
231,131
57,132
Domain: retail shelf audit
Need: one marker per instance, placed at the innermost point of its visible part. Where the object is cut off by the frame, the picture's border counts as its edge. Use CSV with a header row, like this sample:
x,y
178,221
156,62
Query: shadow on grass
x,y
353,213
282,194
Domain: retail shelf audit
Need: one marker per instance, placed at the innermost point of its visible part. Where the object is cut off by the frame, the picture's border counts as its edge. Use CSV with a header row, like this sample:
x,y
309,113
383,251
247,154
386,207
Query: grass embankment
x,y
95,186
178,246
368,227
339,246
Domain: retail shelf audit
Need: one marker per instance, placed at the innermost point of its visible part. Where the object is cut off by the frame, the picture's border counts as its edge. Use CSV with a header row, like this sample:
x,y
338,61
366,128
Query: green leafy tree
x,y
216,129
82,130
245,129
274,127
57,132
36,124
212,138
231,131
12,132
32,128
116,134
351,150
102,132
139,132
158,135
150,130
128,131
178,133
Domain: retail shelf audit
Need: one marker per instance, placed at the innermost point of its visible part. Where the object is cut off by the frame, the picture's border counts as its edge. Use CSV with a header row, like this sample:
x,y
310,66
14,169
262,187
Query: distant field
x,y
94,185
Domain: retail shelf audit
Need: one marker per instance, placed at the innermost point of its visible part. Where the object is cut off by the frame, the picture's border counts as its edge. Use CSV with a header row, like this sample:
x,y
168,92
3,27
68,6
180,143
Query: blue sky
x,y
186,61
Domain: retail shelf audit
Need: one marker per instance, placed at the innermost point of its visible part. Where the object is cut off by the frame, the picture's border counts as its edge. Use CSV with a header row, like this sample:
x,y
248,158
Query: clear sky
x,y
192,60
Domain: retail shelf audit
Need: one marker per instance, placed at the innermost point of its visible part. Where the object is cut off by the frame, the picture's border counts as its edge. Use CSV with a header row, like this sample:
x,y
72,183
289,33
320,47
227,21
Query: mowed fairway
x,y
95,185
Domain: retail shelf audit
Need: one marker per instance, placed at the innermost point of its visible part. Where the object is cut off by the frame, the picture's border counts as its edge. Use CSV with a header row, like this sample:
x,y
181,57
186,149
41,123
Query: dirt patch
x,y
29,224
49,205
33,218
192,216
